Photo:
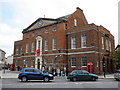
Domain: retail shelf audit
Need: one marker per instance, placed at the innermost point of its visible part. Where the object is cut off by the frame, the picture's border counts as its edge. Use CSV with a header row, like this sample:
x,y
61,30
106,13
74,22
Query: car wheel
x,y
46,79
117,79
24,79
93,78
74,79
71,79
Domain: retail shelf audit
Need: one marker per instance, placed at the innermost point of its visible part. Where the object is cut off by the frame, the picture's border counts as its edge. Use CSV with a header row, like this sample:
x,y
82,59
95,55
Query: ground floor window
x,y
84,61
73,62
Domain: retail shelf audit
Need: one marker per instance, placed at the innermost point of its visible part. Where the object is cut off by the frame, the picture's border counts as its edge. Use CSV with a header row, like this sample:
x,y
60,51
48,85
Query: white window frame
x,y
73,42
102,42
83,41
110,47
46,30
107,44
75,22
73,63
83,58
54,28
27,47
32,47
54,43
46,44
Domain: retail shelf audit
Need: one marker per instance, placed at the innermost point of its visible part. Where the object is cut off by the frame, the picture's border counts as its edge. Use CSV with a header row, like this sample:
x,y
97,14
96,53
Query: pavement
x,y
14,74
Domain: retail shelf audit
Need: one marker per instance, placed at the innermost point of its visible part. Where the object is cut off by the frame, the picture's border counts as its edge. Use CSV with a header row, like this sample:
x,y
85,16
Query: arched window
x,y
75,22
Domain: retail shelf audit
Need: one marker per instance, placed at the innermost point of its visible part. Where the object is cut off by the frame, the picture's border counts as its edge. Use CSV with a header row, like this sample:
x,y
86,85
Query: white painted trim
x,y
86,52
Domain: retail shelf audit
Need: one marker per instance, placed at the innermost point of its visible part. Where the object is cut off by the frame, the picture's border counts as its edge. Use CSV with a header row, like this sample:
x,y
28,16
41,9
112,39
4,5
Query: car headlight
x,y
50,75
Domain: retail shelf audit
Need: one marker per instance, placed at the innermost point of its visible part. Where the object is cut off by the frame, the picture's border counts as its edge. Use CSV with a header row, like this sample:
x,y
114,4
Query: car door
x,y
79,75
29,73
85,75
38,75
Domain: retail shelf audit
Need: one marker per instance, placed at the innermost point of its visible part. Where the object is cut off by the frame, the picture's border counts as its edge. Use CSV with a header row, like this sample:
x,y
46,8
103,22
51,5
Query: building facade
x,y
2,58
66,43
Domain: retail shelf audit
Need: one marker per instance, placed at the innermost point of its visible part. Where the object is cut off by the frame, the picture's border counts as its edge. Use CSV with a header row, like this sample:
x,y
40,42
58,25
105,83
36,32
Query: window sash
x,y
46,44
83,40
32,49
84,61
75,22
26,47
73,62
54,43
73,42
102,42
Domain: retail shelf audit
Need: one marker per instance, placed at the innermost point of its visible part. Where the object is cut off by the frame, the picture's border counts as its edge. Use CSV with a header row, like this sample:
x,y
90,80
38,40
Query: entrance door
x,y
38,63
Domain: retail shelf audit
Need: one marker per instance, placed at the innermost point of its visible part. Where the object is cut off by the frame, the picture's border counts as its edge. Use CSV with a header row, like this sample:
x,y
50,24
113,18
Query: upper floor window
x,y
17,50
54,28
46,44
84,61
83,40
27,35
39,44
102,42
75,22
32,47
73,62
54,43
46,30
39,32
73,42
110,46
107,44
33,34
20,50
26,47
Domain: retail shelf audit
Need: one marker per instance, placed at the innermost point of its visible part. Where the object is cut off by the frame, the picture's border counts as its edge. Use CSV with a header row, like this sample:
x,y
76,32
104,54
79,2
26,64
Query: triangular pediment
x,y
41,22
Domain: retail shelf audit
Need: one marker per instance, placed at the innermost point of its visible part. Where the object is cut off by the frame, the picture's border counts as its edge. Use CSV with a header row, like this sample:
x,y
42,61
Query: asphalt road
x,y
60,83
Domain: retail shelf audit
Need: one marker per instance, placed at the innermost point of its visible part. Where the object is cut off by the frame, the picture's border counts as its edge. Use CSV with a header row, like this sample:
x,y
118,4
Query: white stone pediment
x,y
41,23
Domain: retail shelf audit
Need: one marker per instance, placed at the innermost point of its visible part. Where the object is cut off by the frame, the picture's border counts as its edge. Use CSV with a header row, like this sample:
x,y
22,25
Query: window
x,y
32,63
21,50
38,44
32,34
39,32
54,43
75,22
102,42
32,48
46,30
110,46
73,42
26,47
84,61
73,62
27,35
29,70
46,44
54,28
17,50
83,40
107,44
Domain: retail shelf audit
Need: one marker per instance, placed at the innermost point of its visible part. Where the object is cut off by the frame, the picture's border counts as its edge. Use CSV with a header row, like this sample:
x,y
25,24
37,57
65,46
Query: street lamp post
x,y
54,61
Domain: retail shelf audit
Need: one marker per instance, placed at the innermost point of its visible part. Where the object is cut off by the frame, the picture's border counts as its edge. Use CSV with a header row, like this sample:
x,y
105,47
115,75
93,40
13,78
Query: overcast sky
x,y
16,15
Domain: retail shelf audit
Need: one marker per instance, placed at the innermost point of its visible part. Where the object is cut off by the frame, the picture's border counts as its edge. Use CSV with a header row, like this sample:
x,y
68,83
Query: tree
x,y
116,57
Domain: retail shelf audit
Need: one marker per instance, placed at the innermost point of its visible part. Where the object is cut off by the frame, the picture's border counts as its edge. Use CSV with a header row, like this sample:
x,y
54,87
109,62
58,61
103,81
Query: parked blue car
x,y
34,74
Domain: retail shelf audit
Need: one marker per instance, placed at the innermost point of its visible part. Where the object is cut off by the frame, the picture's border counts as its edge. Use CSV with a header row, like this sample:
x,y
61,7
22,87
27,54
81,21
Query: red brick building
x,y
66,43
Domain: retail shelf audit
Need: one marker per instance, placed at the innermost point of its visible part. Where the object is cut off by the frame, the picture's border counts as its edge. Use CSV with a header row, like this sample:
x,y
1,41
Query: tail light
x,y
73,72
20,72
